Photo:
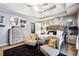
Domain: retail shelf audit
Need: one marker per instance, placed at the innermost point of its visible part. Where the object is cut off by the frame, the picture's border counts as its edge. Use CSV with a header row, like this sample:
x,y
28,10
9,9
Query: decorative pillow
x,y
33,37
53,42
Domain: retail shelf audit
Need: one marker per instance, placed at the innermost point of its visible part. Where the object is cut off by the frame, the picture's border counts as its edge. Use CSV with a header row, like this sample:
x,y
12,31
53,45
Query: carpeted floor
x,y
25,50
72,51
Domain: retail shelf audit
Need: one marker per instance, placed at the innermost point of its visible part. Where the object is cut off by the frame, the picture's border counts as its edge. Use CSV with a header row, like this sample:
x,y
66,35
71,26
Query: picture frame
x,y
23,23
2,21
17,22
14,22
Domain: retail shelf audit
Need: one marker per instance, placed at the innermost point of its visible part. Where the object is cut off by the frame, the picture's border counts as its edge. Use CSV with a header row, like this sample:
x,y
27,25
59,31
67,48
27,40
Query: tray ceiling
x,y
43,10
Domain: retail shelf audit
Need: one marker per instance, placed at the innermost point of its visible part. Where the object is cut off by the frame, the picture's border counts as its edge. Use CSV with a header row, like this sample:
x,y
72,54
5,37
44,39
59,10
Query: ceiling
x,y
43,10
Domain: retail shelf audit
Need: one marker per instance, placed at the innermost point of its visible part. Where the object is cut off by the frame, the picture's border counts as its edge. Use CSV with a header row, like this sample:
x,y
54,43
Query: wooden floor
x,y
69,50
72,51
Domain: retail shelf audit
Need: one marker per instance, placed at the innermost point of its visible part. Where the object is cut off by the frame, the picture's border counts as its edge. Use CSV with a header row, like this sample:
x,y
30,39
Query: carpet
x,y
24,50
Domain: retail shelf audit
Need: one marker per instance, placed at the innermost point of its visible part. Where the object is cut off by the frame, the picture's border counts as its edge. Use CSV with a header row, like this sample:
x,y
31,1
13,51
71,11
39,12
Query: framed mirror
x,y
32,27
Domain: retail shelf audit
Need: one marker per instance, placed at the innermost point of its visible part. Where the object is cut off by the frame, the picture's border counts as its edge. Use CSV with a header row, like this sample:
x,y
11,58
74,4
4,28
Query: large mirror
x,y
32,27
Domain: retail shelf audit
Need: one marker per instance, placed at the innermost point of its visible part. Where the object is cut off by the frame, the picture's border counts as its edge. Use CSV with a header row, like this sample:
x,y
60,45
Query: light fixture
x,y
70,20
61,18
36,8
33,4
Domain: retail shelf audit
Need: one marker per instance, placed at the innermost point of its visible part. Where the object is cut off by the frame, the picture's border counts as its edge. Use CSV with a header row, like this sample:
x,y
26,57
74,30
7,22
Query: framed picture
x,y
16,20
22,23
2,21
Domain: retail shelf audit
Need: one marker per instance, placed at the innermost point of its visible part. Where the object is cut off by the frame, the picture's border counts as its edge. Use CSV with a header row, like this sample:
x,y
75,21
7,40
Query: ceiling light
x,y
36,8
70,20
61,18
33,4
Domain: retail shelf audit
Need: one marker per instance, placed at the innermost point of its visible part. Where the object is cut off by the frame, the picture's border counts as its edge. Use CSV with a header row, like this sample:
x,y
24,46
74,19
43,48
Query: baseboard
x,y
3,44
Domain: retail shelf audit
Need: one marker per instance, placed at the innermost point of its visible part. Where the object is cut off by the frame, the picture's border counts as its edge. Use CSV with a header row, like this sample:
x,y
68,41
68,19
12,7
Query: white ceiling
x,y
43,10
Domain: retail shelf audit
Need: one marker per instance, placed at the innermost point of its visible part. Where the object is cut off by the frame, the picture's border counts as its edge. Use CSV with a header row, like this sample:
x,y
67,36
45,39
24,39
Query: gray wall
x,y
73,17
78,22
4,30
56,21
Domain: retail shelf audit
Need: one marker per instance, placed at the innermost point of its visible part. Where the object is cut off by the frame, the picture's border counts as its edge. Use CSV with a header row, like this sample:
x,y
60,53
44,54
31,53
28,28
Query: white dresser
x,y
17,35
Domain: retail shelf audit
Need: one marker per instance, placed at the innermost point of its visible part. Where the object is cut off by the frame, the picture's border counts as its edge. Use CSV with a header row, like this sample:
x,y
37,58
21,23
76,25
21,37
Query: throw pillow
x,y
52,42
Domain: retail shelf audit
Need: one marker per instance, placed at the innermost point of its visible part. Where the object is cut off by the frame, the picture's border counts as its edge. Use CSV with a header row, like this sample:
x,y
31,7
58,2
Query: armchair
x,y
49,51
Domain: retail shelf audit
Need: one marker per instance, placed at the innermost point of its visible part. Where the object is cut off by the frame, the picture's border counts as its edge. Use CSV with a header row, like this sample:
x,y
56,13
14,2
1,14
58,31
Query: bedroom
x,y
30,28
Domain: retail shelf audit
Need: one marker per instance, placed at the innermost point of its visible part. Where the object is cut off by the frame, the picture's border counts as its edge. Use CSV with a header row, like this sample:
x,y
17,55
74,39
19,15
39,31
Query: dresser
x,y
17,35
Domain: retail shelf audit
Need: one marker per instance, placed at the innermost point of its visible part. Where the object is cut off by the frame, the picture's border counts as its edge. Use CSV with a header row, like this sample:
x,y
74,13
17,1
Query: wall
x,y
4,30
73,17
38,28
63,21
78,22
